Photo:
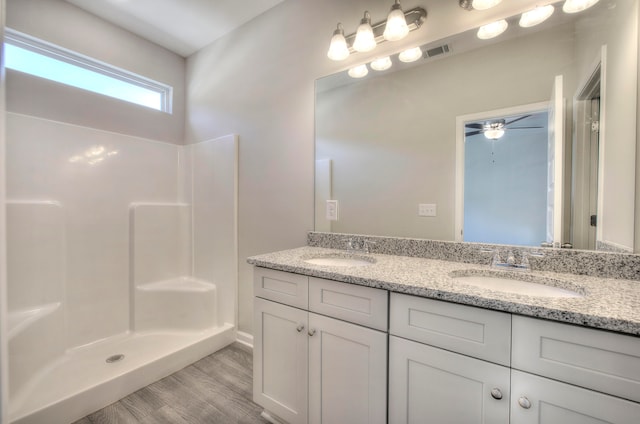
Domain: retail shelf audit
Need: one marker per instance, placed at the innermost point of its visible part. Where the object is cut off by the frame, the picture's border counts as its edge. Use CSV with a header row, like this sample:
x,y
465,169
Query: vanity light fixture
x,y
410,55
492,30
574,6
396,27
338,49
368,35
381,64
365,40
484,4
536,16
359,71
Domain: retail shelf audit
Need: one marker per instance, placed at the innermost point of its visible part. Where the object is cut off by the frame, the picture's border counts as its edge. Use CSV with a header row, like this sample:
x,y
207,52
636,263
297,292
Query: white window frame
x,y
53,51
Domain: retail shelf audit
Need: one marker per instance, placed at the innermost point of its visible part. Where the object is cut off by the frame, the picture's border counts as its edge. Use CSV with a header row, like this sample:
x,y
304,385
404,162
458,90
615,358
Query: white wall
x,y
61,23
258,82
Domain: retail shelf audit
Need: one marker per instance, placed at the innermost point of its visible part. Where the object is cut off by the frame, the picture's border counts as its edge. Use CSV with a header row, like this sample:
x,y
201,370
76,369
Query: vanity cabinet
x,y
464,364
539,400
320,349
446,387
598,373
443,371
320,356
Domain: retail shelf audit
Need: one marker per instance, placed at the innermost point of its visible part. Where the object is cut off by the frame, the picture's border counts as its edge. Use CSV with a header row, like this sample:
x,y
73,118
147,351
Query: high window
x,y
30,55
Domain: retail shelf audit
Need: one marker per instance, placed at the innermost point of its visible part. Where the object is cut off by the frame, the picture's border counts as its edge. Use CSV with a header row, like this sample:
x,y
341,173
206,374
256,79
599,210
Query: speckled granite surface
x,y
608,303
582,262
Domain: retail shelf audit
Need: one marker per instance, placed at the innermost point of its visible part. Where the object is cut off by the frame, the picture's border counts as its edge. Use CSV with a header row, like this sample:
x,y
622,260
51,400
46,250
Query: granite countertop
x,y
606,303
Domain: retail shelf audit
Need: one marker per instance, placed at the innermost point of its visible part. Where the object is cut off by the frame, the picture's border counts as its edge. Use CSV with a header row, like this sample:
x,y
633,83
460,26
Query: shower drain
x,y
115,358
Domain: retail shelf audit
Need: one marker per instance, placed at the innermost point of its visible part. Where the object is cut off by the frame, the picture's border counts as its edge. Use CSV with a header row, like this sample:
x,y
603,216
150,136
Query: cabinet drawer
x,y
464,329
282,287
586,357
361,305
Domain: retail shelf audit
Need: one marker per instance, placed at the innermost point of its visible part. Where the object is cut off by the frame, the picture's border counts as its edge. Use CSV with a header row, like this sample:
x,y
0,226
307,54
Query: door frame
x,y
595,73
479,116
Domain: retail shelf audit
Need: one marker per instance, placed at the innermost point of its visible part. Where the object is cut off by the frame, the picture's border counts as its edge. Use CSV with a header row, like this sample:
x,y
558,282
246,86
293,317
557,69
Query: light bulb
x,y
410,55
358,71
484,4
492,30
494,134
365,40
536,16
381,64
396,27
338,49
574,6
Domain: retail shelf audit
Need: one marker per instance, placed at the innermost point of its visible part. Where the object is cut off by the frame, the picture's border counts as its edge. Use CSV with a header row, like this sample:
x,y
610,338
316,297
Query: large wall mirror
x,y
411,151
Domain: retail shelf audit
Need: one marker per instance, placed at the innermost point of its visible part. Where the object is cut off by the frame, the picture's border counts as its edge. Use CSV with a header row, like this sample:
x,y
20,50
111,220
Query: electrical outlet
x,y
426,209
332,210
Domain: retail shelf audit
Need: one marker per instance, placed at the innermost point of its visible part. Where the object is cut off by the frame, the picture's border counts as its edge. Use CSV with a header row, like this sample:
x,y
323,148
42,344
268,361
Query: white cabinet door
x,y
432,385
280,379
347,372
538,400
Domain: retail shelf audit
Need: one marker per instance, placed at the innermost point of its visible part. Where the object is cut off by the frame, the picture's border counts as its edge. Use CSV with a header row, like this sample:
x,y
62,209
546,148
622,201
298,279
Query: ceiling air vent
x,y
436,51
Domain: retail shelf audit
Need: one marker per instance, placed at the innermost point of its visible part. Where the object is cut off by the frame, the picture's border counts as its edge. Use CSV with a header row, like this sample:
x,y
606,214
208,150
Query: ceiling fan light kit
x,y
495,128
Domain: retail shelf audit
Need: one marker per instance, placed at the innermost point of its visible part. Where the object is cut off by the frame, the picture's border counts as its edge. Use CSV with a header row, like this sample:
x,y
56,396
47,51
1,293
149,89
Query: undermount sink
x,y
340,260
524,284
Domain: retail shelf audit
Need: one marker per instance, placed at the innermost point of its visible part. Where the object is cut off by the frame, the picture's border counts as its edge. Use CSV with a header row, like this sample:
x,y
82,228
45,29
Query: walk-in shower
x,y
121,263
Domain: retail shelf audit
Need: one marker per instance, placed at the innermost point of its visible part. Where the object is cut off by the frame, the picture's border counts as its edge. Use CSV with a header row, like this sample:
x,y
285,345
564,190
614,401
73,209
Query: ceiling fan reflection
x,y
494,129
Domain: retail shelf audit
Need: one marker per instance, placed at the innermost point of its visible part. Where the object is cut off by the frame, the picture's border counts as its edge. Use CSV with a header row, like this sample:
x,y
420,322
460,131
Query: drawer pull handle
x,y
496,393
311,332
300,328
524,402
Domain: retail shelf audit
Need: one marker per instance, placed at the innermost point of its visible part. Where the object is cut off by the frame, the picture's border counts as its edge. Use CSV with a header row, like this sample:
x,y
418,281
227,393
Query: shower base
x,y
82,380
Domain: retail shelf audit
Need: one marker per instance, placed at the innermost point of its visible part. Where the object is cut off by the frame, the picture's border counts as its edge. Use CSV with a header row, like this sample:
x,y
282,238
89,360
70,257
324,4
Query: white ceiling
x,y
182,26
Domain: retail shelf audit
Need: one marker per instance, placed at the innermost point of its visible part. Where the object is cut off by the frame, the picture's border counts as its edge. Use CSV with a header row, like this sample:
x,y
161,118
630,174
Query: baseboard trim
x,y
245,338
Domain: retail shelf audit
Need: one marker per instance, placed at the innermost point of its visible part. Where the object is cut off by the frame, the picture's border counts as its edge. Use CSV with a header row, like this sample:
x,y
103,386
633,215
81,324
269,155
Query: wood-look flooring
x,y
216,389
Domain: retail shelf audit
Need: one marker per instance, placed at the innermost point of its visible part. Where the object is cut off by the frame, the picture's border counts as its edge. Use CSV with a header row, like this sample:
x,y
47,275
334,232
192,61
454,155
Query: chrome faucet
x,y
359,246
510,263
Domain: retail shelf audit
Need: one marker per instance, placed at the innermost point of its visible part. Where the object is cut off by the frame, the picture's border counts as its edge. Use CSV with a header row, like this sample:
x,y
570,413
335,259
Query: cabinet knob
x,y
496,393
300,328
311,332
524,402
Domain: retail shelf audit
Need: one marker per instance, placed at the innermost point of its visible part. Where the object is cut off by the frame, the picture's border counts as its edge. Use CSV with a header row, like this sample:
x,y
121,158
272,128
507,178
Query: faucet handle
x,y
349,241
367,244
496,259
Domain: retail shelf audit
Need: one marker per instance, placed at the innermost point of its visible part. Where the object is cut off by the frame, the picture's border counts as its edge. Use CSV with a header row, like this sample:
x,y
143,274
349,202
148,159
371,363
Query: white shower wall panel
x,y
96,175
36,258
160,242
213,165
